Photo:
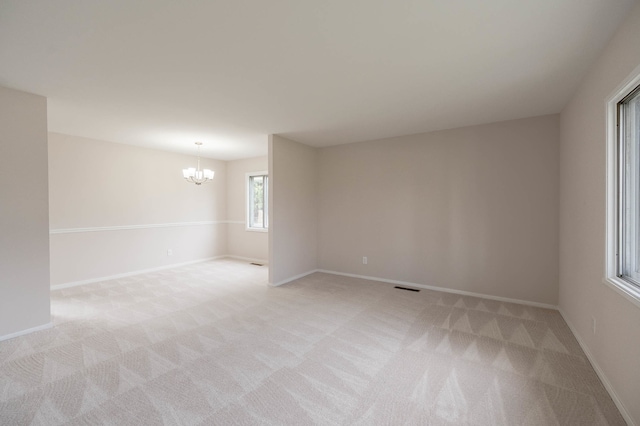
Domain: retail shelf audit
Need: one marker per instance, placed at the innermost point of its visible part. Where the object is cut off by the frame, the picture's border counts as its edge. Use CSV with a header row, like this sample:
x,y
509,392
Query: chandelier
x,y
197,175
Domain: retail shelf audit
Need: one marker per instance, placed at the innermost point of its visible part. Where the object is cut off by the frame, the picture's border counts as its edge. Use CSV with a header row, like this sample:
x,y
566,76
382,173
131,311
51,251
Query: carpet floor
x,y
212,344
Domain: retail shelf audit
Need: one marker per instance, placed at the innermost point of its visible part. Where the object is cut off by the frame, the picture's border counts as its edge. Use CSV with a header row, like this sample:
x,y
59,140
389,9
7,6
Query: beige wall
x,y
102,184
472,209
615,346
24,213
292,209
242,243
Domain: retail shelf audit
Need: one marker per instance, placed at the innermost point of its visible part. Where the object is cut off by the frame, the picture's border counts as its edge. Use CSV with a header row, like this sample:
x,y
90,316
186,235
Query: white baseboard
x,y
445,290
128,274
599,371
248,259
288,280
27,331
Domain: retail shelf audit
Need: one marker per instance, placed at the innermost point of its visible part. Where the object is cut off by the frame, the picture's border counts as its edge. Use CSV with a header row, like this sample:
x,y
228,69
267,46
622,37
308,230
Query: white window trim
x,y
626,289
247,202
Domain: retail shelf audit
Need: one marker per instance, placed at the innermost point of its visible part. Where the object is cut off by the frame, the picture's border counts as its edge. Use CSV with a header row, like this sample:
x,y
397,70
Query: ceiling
x,y
163,73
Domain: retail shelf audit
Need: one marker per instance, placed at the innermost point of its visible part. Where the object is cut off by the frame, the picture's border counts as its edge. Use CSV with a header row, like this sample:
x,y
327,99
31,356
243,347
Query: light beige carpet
x,y
212,344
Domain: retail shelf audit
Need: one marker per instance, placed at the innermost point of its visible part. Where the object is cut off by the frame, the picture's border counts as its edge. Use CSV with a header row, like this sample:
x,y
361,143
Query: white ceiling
x,y
165,73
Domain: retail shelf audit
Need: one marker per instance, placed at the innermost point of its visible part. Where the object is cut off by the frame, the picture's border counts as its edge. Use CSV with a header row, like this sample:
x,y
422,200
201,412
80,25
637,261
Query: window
x,y
629,187
623,191
257,201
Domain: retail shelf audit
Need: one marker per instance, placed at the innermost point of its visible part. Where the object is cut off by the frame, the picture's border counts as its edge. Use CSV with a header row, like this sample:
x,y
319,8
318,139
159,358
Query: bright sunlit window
x,y
257,201
629,192
623,191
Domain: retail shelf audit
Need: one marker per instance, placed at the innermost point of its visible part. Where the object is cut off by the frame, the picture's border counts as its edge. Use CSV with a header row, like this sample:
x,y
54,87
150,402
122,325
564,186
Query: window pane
x,y
265,199
630,190
258,201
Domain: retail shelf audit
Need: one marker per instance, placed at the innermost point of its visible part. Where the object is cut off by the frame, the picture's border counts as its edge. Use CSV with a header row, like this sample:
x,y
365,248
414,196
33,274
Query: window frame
x,y
615,163
248,205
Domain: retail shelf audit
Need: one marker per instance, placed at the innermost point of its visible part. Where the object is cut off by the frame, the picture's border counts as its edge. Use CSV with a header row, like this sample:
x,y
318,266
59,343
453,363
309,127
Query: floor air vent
x,y
407,288
255,264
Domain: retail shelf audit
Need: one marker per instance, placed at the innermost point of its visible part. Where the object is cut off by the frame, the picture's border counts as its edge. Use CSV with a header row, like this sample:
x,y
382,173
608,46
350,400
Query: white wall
x,y
24,213
292,209
240,242
102,184
472,209
615,346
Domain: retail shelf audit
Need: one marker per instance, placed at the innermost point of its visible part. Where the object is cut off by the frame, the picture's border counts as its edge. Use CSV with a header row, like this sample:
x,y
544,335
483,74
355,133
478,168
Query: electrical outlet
x,y
169,252
593,324
364,260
